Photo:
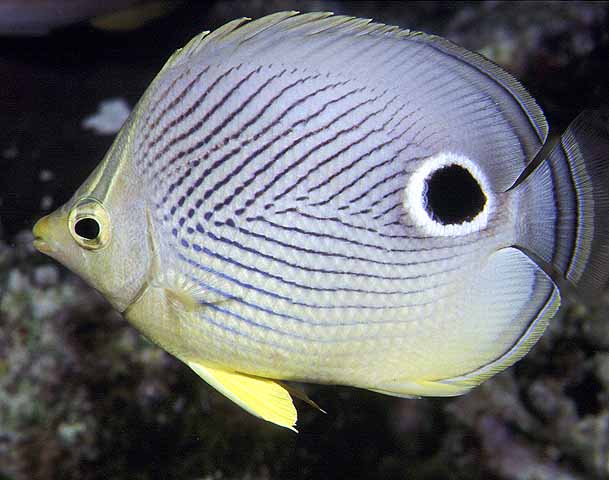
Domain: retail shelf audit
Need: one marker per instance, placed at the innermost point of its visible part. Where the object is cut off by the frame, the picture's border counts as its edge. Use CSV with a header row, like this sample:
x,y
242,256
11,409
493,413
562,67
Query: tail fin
x,y
566,200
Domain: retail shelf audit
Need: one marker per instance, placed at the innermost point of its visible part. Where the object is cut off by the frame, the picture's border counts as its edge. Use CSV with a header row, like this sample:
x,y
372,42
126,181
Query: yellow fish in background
x,y
40,17
323,199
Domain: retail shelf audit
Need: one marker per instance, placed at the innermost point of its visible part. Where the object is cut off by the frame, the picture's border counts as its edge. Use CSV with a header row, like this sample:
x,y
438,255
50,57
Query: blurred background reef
x,y
84,396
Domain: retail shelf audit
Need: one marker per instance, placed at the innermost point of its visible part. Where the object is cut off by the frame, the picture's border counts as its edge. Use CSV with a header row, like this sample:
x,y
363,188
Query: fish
x,y
319,198
40,17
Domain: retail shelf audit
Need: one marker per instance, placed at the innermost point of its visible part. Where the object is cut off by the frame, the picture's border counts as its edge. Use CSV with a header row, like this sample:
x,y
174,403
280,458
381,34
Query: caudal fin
x,y
566,200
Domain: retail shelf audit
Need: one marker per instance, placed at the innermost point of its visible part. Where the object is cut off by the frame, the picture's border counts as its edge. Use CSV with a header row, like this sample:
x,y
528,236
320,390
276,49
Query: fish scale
x,y
271,212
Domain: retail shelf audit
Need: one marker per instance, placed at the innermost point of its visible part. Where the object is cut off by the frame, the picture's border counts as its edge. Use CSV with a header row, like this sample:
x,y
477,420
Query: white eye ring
x,y
415,201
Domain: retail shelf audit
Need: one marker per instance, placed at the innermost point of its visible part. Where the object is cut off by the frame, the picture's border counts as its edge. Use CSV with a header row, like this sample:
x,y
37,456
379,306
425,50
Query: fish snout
x,y
41,233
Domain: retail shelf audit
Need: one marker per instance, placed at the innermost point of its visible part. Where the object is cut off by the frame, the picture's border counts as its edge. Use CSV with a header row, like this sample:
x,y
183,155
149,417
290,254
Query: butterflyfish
x,y
320,198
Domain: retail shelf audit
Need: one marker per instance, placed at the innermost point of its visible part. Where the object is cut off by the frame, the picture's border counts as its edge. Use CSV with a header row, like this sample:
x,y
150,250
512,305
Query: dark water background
x,y
111,406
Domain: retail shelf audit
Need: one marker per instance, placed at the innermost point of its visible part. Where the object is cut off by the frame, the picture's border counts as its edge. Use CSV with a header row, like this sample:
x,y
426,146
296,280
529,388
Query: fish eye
x,y
87,228
448,195
89,224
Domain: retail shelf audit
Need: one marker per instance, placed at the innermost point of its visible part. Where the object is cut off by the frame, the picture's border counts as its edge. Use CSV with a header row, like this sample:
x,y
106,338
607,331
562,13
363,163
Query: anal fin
x,y
419,388
261,397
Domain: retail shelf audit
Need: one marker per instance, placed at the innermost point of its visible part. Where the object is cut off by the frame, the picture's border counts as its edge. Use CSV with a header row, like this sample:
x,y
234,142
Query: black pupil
x,y
87,228
453,195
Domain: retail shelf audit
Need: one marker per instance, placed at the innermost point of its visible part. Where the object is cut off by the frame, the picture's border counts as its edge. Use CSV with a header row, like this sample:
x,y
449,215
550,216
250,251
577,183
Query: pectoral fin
x,y
261,397
419,388
184,293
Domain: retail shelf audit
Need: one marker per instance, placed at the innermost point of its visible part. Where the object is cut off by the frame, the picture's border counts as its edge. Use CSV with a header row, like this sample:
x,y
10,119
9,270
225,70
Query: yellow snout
x,y
51,235
41,235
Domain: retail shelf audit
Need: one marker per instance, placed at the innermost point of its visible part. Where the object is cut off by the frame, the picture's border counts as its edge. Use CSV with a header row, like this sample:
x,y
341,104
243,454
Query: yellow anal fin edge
x,y
262,397
422,388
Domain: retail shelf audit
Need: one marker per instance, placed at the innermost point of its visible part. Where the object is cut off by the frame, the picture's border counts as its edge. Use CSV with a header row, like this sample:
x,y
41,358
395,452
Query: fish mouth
x,y
42,246
40,229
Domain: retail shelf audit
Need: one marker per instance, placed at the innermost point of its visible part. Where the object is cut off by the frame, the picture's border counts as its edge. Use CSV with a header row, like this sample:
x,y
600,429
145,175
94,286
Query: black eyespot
x,y
453,195
87,228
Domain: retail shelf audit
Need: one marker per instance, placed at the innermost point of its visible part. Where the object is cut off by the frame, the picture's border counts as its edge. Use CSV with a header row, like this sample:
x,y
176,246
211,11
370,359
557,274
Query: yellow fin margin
x,y
261,397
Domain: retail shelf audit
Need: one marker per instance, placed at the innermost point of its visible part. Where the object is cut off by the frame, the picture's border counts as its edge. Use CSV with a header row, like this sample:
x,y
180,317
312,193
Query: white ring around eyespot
x,y
416,189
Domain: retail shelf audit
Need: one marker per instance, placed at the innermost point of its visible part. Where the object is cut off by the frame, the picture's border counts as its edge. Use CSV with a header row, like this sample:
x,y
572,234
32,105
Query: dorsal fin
x,y
222,34
241,30
300,35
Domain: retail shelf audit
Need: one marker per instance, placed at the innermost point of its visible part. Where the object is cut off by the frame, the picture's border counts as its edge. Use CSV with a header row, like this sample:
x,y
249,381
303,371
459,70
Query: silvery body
x,y
264,211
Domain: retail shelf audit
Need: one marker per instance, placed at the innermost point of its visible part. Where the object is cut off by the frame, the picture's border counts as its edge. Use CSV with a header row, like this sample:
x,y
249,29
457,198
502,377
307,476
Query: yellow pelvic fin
x,y
261,397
